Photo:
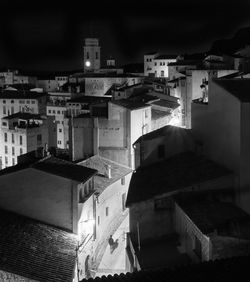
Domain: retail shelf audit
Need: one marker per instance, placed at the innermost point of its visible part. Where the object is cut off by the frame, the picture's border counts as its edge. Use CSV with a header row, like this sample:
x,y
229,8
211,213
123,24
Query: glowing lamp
x,y
87,64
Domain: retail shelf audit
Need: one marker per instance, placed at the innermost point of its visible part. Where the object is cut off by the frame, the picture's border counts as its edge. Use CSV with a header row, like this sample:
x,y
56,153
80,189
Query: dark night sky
x,y
42,35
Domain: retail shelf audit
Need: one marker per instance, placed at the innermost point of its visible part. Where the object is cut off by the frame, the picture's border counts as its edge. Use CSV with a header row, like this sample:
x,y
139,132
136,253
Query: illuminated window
x,y
107,211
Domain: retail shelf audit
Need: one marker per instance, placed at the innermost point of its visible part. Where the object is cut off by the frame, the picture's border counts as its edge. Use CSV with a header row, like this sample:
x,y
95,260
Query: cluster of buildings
x,y
160,156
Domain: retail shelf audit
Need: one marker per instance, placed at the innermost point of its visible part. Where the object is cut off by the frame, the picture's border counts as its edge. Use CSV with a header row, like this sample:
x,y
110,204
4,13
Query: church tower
x,y
92,54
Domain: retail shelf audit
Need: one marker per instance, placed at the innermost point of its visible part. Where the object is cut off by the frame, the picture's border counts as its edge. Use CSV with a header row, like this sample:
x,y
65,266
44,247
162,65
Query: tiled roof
x,y
237,87
230,269
88,99
209,215
13,94
129,104
177,172
35,250
55,166
22,115
166,57
167,130
98,163
184,63
65,169
166,104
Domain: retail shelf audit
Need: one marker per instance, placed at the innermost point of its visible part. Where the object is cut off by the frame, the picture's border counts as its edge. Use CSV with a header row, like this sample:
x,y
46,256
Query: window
x,y
146,113
6,149
5,137
96,55
98,220
12,110
21,140
33,102
4,123
59,142
13,161
12,101
49,111
107,211
162,73
87,55
13,151
161,151
60,130
6,160
28,102
155,64
12,138
160,63
21,151
4,102
58,112
39,139
4,110
123,181
123,201
54,111
21,101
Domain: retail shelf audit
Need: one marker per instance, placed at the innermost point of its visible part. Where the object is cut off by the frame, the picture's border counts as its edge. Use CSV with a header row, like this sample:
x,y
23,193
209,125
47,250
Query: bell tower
x,y
92,54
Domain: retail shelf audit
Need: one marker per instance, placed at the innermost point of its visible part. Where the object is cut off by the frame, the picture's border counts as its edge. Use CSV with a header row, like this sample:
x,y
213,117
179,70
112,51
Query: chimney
x,y
107,170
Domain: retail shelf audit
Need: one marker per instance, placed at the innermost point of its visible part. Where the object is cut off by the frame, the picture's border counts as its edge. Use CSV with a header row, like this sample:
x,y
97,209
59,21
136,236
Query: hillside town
x,y
105,172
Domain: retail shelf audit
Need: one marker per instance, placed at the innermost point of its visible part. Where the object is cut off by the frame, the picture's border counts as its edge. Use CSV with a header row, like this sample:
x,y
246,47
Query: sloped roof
x,y
163,131
22,115
209,215
166,57
129,104
35,250
65,169
239,88
98,163
175,173
55,166
230,269
15,94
